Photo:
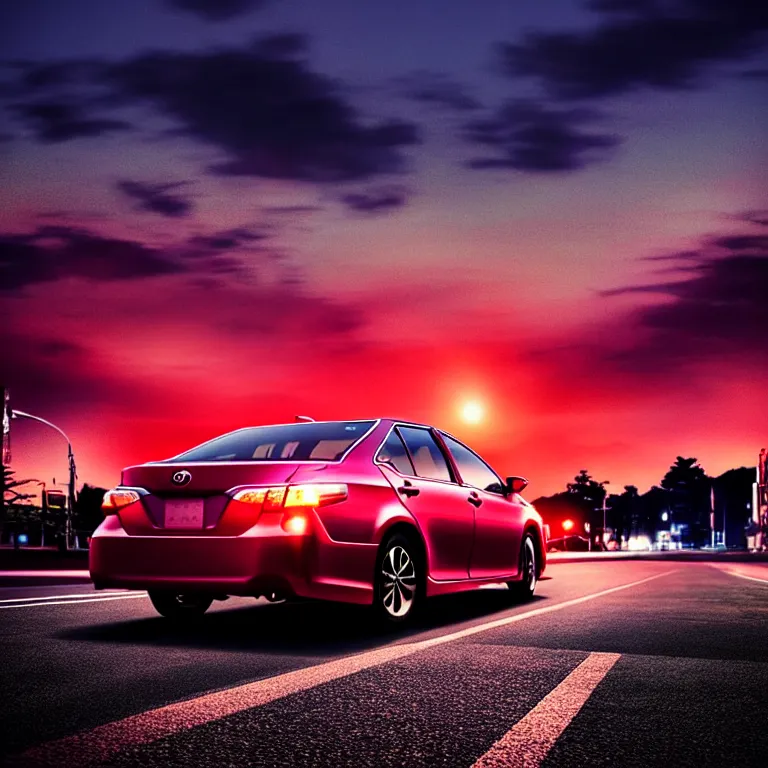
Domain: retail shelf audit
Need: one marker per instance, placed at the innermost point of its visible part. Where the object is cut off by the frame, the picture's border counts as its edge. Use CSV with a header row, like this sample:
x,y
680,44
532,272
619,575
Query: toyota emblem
x,y
181,478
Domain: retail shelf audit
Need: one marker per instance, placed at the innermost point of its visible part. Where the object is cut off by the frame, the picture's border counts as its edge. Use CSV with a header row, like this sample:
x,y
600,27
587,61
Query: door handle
x,y
474,499
407,489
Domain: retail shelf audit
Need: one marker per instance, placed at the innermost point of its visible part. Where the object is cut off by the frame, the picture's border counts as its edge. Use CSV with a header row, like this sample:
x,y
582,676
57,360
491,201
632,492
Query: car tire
x,y
524,588
397,589
180,607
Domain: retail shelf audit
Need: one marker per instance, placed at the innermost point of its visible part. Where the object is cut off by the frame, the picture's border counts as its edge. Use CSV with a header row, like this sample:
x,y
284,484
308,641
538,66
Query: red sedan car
x,y
380,512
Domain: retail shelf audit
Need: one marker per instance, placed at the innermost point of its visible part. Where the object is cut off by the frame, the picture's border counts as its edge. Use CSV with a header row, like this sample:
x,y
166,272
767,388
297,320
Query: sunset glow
x,y
472,412
554,264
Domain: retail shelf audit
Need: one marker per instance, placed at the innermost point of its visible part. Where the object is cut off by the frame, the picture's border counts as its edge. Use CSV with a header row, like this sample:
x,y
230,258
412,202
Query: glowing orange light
x,y
295,497
303,496
567,525
472,412
296,524
318,495
117,499
252,496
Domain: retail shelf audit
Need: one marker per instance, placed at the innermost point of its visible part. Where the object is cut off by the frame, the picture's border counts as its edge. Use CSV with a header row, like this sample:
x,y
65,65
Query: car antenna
x,y
303,418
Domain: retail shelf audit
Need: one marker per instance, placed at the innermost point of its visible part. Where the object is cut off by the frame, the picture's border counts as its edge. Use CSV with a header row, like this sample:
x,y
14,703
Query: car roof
x,y
383,419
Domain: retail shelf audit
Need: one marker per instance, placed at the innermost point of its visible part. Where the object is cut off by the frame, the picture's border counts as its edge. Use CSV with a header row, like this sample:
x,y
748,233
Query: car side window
x,y
473,470
428,459
393,453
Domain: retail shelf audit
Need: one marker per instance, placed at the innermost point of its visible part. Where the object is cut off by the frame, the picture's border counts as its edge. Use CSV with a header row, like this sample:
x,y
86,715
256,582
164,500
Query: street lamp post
x,y
72,470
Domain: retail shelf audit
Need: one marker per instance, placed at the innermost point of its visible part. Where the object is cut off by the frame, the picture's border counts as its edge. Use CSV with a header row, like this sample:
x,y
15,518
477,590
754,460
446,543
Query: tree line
x,y
680,505
681,502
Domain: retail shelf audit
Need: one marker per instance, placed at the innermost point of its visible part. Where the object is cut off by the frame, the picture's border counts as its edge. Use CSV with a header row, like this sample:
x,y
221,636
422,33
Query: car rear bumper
x,y
260,562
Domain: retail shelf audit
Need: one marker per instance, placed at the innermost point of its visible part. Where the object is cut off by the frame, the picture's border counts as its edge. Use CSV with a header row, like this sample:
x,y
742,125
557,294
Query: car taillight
x,y
315,495
295,523
294,500
116,499
268,499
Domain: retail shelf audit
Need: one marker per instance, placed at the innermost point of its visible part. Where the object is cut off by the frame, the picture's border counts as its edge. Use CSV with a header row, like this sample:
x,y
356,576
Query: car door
x,y
415,465
498,517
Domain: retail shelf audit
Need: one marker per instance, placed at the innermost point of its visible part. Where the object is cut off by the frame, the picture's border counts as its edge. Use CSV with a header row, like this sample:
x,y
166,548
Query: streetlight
x,y
72,471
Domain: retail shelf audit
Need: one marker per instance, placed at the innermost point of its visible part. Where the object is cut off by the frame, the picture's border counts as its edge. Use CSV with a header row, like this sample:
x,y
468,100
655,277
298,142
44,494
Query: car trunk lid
x,y
191,499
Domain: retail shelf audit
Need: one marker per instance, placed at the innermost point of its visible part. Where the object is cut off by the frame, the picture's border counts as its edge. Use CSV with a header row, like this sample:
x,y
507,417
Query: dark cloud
x,y
260,106
216,10
52,370
157,198
756,217
57,252
437,90
754,74
656,45
292,210
627,6
25,78
227,240
716,310
530,137
57,121
375,201
265,110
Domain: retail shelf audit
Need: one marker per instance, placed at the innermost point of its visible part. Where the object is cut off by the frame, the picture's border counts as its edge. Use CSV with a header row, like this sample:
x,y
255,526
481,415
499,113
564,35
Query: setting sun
x,y
472,412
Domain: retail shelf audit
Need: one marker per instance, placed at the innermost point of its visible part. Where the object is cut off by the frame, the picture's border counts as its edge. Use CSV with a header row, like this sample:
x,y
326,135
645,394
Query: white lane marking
x,y
744,576
528,742
62,597
104,741
46,574
72,602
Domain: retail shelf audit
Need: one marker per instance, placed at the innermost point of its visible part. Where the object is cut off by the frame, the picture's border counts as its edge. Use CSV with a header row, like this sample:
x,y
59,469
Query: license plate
x,y
184,513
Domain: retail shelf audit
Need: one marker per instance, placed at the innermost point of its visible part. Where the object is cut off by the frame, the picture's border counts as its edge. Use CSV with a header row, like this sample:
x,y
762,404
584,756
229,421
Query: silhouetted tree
x,y
689,488
733,503
589,495
587,489
18,510
88,512
624,515
555,509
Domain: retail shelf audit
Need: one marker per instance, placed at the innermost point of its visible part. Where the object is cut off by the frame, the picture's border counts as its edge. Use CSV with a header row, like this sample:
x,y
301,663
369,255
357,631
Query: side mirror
x,y
516,484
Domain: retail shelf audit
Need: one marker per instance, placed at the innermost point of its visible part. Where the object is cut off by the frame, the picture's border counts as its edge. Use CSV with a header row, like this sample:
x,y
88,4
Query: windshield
x,y
315,441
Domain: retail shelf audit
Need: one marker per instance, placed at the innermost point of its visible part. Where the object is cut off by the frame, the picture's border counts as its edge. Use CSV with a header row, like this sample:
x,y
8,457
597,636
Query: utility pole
x,y
43,511
725,509
6,456
605,497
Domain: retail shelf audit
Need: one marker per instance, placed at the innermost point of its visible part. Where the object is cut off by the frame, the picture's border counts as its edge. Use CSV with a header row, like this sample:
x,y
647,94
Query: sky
x,y
223,214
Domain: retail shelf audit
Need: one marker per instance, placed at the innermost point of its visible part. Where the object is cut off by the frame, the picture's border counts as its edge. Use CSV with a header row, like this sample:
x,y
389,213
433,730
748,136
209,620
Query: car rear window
x,y
316,441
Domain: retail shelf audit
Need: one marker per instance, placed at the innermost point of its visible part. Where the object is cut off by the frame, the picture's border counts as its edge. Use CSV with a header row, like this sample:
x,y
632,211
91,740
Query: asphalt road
x,y
614,663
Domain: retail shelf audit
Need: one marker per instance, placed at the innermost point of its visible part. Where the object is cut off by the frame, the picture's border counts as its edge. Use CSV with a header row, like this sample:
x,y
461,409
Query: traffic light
x,y
55,501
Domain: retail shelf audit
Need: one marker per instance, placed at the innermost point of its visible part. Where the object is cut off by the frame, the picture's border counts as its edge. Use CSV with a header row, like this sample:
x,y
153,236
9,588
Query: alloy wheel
x,y
529,565
398,581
